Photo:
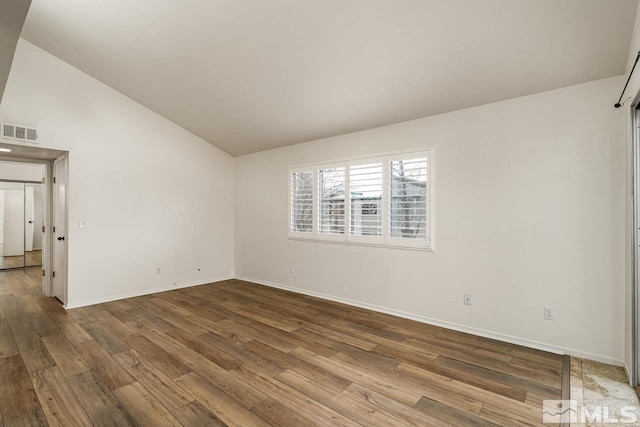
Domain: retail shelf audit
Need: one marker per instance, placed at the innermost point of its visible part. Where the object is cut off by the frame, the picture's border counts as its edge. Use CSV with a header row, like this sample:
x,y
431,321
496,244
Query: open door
x,y
59,276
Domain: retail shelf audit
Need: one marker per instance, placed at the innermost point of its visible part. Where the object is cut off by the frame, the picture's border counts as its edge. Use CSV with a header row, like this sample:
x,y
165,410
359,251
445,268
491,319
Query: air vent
x,y
32,135
8,131
19,132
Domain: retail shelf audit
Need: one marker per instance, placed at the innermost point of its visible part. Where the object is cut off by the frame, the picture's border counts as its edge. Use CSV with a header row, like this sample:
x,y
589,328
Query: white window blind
x,y
331,201
301,185
382,200
365,190
408,198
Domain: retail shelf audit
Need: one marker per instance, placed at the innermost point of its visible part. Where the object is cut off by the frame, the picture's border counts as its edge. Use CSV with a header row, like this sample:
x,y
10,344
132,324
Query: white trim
x,y
362,243
363,157
146,292
444,324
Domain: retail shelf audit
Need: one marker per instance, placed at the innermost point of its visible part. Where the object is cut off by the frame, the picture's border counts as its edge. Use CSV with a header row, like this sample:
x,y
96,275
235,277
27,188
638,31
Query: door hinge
x,y
44,273
43,228
54,179
54,228
54,274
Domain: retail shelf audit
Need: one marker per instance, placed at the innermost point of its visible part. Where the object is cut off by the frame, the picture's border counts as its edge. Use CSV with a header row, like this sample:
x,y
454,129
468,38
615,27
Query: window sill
x,y
351,243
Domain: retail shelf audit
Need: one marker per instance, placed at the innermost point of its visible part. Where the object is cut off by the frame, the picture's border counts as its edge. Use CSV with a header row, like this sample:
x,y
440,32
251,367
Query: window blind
x,y
331,201
365,190
301,201
408,198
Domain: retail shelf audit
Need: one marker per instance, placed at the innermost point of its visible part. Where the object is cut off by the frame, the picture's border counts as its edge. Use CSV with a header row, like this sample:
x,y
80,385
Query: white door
x,y
28,218
60,227
13,233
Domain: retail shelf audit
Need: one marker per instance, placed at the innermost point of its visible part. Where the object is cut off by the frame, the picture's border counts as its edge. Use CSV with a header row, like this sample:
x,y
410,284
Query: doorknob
x,y
61,238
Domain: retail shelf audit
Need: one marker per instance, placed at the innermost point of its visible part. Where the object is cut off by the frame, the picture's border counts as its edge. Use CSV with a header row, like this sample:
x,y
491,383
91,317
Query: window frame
x,y
385,240
316,206
302,234
395,241
367,239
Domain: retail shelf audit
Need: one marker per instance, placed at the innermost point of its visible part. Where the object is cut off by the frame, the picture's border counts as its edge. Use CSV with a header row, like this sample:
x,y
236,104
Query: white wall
x,y
530,212
151,193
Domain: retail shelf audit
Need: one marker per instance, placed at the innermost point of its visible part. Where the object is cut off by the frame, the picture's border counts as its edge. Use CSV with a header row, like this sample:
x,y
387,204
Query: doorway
x,y
37,236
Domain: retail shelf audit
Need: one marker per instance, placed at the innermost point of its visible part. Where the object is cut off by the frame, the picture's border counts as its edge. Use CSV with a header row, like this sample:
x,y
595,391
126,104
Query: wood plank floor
x,y
236,353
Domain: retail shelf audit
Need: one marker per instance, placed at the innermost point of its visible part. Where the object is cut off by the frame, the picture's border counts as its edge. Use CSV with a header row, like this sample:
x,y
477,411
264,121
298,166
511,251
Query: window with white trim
x,y
331,200
379,200
407,196
301,209
365,192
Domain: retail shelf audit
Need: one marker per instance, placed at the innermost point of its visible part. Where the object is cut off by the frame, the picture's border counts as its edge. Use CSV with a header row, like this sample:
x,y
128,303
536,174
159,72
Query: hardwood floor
x,y
236,353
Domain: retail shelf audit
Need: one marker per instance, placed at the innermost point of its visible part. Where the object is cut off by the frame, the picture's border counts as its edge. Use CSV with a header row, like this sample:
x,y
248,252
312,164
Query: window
x,y
331,204
301,185
408,195
365,191
383,200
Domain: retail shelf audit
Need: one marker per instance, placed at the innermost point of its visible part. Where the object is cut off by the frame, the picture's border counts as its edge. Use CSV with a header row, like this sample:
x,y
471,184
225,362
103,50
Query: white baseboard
x,y
445,324
145,292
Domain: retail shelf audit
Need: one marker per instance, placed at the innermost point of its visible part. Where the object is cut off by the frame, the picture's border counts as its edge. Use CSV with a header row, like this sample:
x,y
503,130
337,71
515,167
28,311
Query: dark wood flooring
x,y
237,353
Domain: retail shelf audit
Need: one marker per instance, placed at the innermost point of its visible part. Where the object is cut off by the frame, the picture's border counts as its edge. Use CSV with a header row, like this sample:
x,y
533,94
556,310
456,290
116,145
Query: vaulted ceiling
x,y
12,16
250,75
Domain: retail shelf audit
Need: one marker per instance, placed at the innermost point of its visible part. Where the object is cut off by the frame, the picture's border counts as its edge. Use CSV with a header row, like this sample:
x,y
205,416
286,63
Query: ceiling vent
x,y
19,132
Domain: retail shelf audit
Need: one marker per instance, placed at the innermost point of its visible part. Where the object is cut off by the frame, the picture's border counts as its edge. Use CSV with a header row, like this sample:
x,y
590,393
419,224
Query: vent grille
x,y
8,131
32,134
19,132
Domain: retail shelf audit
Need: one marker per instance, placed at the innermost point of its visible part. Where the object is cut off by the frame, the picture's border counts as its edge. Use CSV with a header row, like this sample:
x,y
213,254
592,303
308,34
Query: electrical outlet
x,y
291,269
467,299
157,270
548,313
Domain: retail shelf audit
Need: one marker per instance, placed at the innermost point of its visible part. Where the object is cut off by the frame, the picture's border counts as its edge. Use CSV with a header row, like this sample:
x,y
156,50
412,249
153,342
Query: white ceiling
x,y
249,75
